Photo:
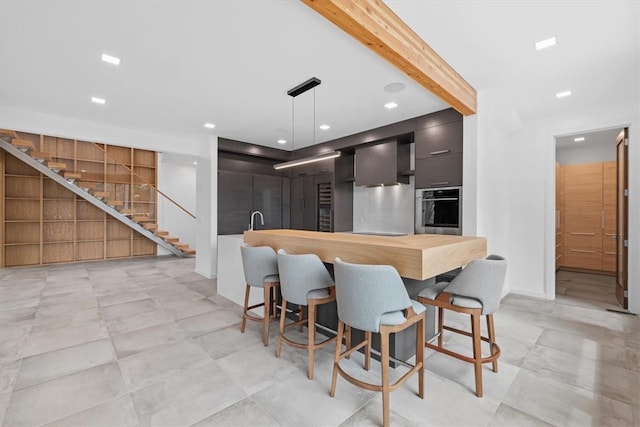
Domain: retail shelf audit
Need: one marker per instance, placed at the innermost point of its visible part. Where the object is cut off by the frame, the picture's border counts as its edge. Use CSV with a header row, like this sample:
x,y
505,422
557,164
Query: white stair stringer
x,y
7,146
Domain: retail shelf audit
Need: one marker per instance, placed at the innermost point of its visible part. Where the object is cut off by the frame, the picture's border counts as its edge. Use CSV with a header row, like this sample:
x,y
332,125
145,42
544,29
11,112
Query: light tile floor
x,y
149,342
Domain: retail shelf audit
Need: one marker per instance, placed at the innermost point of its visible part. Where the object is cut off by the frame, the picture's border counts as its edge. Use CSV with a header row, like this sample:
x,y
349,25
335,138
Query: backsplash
x,y
384,209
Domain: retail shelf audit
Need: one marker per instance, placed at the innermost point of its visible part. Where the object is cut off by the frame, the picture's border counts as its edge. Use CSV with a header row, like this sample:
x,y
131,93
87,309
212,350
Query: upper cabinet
x,y
438,148
382,164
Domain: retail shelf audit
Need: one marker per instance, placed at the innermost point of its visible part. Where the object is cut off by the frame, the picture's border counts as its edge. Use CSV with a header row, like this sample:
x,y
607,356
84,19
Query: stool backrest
x,y
258,262
300,274
365,292
483,280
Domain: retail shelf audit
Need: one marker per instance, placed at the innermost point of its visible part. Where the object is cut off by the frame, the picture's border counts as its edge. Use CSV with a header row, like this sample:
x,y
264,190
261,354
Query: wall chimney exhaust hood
x,y
382,164
300,89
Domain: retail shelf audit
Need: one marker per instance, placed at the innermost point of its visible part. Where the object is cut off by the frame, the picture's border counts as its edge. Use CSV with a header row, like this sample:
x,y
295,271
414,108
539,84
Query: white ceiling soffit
x,y
593,138
187,63
231,63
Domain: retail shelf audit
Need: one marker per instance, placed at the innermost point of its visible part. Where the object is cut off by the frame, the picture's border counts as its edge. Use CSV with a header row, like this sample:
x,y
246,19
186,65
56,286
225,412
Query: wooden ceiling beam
x,y
375,25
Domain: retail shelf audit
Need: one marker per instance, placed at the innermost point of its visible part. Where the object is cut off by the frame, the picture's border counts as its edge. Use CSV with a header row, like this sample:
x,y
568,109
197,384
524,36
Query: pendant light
x,y
300,89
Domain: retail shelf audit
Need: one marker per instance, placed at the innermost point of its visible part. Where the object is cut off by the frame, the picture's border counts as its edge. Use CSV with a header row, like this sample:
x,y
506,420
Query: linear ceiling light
x,y
563,94
97,100
300,89
579,139
305,160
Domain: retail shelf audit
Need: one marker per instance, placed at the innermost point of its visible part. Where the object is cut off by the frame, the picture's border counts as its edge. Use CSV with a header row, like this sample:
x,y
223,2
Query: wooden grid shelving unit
x,y
44,223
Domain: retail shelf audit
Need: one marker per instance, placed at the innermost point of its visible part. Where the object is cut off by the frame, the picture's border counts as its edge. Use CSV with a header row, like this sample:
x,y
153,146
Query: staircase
x,y
121,210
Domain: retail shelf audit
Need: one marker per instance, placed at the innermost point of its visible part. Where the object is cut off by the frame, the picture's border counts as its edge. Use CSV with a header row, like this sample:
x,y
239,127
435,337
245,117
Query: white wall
x,y
516,187
177,179
207,209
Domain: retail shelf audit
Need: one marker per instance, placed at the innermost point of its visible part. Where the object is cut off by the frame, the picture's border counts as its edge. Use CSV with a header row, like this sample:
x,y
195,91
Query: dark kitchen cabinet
x,y
382,164
439,140
267,198
235,201
240,193
439,171
303,203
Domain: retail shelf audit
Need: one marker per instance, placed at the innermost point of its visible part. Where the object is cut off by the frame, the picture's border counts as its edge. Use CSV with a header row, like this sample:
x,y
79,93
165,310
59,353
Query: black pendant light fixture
x,y
300,89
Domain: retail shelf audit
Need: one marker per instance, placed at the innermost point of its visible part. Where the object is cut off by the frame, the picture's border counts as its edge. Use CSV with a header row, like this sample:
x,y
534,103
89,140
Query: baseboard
x,y
527,293
205,274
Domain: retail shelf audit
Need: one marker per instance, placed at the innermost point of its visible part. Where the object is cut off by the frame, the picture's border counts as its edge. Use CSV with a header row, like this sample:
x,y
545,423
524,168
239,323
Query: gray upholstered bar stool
x,y
304,281
475,291
261,271
373,298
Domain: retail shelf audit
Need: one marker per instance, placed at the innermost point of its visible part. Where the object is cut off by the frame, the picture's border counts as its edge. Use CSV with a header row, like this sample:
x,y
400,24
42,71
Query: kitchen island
x,y
418,256
418,259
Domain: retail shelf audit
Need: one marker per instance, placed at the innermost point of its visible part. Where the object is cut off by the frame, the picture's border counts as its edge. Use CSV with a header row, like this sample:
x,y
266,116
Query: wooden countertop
x,y
419,256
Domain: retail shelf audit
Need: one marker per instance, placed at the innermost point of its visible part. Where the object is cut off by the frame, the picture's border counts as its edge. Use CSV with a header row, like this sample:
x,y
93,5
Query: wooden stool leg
x,y
384,360
492,339
440,325
311,327
420,356
267,306
283,315
300,317
244,309
336,358
367,351
477,351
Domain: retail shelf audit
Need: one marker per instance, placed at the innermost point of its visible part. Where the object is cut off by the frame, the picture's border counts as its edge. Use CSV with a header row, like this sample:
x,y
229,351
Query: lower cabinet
x,y
307,206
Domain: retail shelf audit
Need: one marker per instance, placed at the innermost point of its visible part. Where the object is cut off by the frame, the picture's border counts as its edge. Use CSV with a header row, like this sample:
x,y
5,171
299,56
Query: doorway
x,y
586,220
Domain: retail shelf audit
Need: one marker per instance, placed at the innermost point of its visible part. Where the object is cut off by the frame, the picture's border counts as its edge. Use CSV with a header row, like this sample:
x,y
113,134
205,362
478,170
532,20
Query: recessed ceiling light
x,y
195,163
543,44
325,127
390,105
97,100
563,94
282,141
110,59
394,87
579,139
209,125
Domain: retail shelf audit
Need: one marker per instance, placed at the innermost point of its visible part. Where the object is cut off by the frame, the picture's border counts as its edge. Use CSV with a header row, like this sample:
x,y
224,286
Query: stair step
x,y
115,202
56,166
180,245
72,175
23,144
39,155
151,226
10,133
189,251
100,194
141,218
171,239
161,233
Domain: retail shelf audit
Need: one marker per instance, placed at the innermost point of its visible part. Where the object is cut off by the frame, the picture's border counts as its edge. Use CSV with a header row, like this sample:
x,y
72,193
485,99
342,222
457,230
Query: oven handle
x,y
447,199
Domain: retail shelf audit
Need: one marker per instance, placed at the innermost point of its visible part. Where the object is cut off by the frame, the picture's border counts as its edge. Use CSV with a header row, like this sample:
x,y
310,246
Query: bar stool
x,y
261,271
475,291
373,298
305,281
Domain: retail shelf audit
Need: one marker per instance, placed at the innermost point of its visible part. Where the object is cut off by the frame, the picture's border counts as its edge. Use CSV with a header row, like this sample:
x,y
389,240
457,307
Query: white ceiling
x,y
185,63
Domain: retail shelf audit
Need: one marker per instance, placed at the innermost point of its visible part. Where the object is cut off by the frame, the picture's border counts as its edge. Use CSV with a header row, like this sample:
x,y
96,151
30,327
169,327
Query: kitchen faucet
x,y
253,214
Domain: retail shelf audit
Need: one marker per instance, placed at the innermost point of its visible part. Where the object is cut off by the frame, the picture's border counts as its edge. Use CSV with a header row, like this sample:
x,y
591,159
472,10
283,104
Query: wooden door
x,y
622,216
609,216
583,216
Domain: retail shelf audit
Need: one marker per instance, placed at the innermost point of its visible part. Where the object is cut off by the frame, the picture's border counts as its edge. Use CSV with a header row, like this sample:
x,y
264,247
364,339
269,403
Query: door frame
x,y
550,215
622,230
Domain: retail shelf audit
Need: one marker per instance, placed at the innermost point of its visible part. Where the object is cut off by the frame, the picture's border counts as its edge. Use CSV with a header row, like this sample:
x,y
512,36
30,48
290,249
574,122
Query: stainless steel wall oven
x,y
439,211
